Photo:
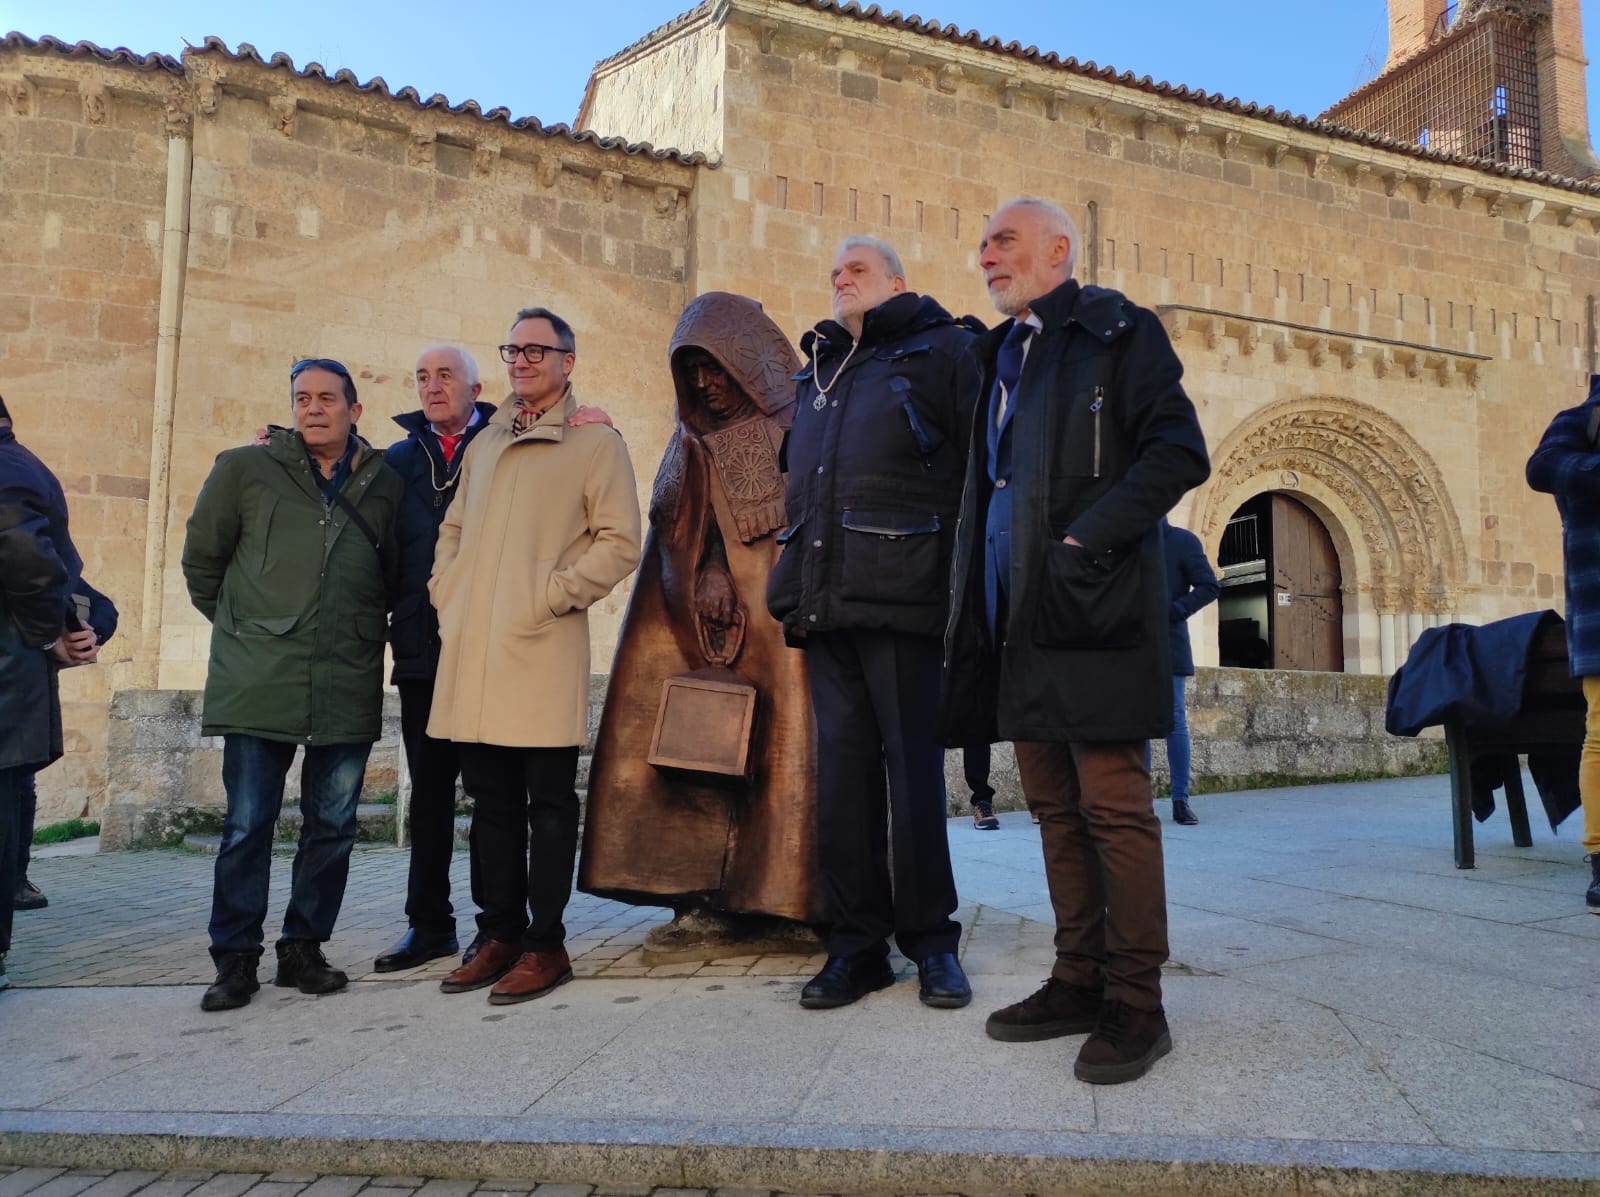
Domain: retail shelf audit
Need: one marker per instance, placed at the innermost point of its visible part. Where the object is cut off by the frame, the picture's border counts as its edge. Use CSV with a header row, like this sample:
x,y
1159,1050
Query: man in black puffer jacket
x,y
875,462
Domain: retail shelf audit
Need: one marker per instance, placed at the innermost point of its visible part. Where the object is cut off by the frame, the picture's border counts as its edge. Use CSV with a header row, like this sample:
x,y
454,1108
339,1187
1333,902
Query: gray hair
x,y
468,364
1056,224
880,247
564,335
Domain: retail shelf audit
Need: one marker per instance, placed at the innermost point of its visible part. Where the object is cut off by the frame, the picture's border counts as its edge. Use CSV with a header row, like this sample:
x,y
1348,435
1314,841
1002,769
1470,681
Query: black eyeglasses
x,y
317,363
533,353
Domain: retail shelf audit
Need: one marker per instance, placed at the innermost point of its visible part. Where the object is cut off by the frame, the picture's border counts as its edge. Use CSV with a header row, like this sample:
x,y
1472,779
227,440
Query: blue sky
x,y
534,57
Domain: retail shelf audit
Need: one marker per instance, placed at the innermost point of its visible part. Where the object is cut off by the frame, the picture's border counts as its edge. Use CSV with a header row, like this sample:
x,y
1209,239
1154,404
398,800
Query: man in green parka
x,y
289,554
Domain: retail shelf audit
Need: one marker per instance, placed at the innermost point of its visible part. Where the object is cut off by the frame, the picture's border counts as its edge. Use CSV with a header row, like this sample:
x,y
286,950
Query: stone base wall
x,y
162,770
1250,728
1253,728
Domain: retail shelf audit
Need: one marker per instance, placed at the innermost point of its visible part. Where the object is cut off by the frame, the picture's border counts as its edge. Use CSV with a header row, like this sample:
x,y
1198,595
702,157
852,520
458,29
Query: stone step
x,y
374,825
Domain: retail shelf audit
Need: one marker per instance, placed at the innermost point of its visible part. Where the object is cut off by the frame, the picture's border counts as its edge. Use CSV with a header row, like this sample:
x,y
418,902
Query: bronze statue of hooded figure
x,y
676,837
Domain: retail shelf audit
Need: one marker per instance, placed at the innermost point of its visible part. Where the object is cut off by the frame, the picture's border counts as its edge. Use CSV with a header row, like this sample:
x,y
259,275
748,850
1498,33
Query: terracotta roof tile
x,y
343,78
118,57
872,14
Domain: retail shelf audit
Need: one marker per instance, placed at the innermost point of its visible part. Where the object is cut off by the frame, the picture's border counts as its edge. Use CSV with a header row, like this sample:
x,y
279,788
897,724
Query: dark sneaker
x,y
944,986
1055,1010
29,898
1181,813
1125,1043
1592,898
5,981
983,815
846,979
236,981
302,966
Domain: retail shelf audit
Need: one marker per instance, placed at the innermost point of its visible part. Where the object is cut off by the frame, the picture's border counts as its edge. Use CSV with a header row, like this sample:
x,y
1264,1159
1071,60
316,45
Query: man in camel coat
x,y
546,524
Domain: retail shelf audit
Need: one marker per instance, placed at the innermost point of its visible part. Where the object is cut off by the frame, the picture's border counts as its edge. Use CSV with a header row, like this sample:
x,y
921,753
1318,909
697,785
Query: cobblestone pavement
x,y
139,918
124,919
95,1182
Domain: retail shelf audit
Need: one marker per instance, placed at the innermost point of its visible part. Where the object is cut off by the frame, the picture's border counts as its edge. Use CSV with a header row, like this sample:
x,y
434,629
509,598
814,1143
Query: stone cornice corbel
x,y
895,63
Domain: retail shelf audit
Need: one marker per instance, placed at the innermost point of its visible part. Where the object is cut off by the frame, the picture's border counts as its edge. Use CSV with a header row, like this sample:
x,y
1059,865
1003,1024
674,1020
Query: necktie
x,y
1008,369
1007,373
449,444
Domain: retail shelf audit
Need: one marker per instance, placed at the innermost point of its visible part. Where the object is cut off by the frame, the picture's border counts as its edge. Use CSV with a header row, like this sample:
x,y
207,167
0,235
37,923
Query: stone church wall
x,y
323,220
1289,264
82,177
1380,332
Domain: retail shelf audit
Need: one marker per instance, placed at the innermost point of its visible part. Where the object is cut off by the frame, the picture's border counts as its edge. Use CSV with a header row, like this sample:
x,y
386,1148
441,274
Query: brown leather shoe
x,y
487,965
534,975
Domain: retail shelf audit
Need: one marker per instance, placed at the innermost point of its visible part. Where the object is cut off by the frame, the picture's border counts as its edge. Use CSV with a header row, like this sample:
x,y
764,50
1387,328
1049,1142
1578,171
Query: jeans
x,y
1589,768
1177,744
13,783
253,772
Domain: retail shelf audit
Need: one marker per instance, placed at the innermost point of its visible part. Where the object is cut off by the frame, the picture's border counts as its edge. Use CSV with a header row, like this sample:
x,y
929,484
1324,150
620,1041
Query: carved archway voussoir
x,y
1381,476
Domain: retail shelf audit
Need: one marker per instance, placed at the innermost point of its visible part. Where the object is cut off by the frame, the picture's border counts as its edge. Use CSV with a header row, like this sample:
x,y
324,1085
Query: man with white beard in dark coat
x,y
1057,640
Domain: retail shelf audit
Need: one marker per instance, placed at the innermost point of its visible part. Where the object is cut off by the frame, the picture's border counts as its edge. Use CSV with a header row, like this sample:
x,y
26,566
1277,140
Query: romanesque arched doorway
x,y
1377,494
1282,605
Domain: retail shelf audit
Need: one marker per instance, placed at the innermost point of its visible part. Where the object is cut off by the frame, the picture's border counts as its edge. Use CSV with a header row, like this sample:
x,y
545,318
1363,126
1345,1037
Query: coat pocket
x,y
1085,603
891,557
783,581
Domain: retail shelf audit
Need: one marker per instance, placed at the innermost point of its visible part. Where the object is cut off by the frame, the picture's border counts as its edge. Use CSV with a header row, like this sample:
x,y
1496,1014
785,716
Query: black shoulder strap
x,y
356,519
337,496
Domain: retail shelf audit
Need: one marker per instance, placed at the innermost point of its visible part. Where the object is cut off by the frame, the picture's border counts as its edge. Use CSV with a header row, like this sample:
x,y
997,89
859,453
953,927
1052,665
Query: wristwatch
x,y
51,646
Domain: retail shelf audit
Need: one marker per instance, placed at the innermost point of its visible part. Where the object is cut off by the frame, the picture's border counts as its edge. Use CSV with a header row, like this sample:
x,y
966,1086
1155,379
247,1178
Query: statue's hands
x,y
715,599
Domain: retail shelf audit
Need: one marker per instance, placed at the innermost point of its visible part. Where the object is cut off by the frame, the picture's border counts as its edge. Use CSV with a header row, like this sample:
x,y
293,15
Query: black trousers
x,y
880,774
524,840
15,784
975,764
435,765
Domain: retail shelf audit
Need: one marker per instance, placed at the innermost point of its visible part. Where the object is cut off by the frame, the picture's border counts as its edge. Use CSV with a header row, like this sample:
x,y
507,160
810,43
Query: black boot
x,y
1592,898
302,966
29,897
236,981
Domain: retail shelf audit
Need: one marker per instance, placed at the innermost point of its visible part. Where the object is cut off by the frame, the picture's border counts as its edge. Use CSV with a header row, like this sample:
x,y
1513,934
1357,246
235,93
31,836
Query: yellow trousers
x,y
1589,767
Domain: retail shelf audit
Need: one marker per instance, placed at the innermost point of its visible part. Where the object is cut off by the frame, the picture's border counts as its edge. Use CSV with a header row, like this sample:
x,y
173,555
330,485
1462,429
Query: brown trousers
x,y
1102,861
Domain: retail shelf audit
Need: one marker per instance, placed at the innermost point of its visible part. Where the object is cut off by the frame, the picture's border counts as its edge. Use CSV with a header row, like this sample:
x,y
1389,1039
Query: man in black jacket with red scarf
x,y
429,461
1057,637
874,465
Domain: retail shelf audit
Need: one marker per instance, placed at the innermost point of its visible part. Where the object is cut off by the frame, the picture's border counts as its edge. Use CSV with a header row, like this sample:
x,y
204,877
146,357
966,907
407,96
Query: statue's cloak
x,y
679,839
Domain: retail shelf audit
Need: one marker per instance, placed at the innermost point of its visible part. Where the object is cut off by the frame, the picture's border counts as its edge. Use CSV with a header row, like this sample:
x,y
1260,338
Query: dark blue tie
x,y
1007,373
997,533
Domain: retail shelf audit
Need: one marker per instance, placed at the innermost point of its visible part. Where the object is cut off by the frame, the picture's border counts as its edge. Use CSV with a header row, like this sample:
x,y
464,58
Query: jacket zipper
x,y
1099,402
